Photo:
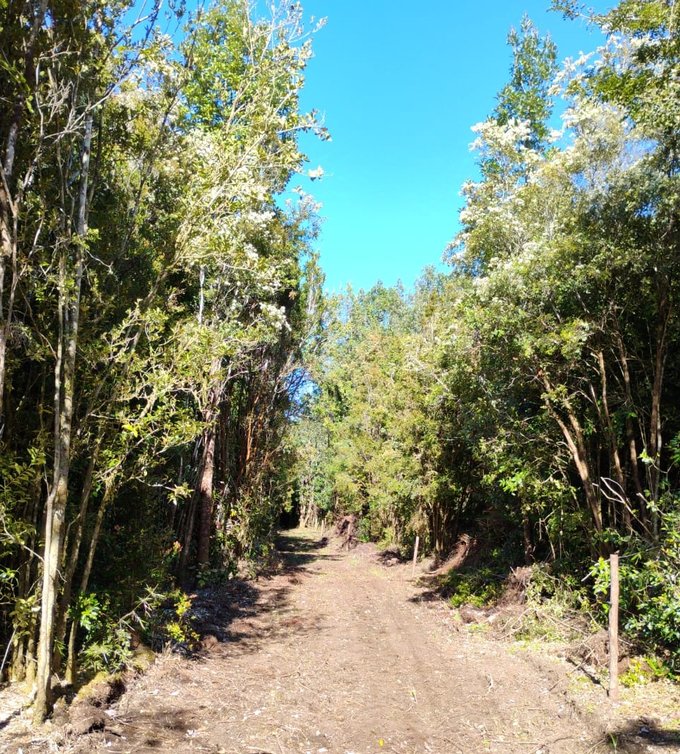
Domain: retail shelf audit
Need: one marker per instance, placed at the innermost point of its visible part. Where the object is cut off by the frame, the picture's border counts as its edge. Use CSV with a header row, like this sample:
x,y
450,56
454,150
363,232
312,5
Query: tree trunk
x,y
576,443
205,497
615,458
8,254
71,561
187,536
630,407
69,316
71,665
204,487
527,539
655,439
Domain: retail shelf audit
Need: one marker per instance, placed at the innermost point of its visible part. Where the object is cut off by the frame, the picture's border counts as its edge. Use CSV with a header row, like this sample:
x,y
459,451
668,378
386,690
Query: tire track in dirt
x,y
337,654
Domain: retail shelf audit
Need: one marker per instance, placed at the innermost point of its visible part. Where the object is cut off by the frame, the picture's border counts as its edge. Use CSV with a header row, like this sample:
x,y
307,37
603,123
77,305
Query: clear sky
x,y
400,85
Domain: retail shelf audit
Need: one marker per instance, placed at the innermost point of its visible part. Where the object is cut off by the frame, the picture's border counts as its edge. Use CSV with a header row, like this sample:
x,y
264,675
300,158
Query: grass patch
x,y
644,670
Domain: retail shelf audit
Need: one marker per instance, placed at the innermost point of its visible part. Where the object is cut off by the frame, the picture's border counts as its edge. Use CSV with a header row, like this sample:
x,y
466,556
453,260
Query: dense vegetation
x,y
162,316
157,293
530,396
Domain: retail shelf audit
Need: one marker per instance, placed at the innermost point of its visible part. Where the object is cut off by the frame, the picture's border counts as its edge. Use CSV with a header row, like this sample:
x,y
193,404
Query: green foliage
x,y
533,390
530,393
106,646
18,482
526,96
643,670
215,577
161,618
367,445
558,606
178,624
23,614
180,286
649,593
479,587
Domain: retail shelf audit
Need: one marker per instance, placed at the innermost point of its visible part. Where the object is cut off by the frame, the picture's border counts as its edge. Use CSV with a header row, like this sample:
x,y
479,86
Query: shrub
x,y
107,640
478,587
650,593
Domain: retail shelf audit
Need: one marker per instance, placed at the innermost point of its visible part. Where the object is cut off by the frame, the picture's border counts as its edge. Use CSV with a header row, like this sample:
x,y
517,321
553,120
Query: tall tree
x,y
526,97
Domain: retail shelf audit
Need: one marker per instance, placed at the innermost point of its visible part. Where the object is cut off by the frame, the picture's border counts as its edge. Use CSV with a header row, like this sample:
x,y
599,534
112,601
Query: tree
x,y
526,97
84,64
154,284
511,144
240,103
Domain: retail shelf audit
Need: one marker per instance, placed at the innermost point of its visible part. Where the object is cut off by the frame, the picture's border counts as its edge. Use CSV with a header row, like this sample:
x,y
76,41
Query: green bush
x,y
162,619
643,670
478,587
650,593
107,640
171,623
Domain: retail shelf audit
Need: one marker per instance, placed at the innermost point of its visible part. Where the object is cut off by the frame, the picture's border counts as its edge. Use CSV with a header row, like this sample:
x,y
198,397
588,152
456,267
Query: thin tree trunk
x,y
206,478
655,439
207,474
71,664
187,538
576,443
205,497
30,661
64,390
613,444
7,252
630,406
527,539
72,560
27,582
53,522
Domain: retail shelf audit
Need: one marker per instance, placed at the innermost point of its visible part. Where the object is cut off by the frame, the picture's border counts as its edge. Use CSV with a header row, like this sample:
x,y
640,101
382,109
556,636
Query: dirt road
x,y
337,654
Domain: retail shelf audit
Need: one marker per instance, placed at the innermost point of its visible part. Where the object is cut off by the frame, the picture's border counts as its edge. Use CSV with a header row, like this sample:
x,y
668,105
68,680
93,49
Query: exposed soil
x,y
336,653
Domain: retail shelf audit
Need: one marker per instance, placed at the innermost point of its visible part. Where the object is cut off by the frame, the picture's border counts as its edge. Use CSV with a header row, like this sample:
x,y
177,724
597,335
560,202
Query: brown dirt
x,y
336,654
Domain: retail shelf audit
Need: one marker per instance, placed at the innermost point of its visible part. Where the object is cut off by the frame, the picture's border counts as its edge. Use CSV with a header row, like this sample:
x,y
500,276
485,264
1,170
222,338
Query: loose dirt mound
x,y
464,552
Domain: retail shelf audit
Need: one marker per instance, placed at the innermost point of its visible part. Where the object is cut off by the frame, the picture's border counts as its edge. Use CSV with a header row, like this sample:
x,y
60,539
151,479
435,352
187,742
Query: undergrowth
x,y
649,593
561,601
479,587
158,619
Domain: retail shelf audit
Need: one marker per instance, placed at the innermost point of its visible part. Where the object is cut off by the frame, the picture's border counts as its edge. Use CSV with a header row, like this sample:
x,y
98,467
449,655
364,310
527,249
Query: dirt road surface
x,y
337,654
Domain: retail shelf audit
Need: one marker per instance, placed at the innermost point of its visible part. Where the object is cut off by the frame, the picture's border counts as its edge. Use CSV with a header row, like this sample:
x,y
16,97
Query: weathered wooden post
x,y
614,628
415,556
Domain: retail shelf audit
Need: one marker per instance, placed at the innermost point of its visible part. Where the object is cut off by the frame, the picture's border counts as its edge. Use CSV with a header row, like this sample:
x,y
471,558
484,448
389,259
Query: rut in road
x,y
336,653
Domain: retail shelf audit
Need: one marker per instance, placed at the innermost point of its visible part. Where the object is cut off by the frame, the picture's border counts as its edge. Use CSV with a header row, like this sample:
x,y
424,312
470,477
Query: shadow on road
x,y
644,736
297,551
5,721
244,613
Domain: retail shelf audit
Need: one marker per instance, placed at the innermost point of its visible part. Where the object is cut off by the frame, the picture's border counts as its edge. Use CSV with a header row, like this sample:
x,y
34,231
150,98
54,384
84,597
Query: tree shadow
x,y
239,617
434,585
643,736
6,720
244,613
297,552
429,591
392,556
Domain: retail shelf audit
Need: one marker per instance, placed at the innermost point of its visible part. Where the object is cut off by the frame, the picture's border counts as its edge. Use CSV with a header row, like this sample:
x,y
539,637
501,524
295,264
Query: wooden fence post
x,y
614,628
415,556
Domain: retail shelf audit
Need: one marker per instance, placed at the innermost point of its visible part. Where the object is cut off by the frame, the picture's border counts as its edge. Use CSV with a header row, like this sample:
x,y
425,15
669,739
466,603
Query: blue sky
x,y
401,85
